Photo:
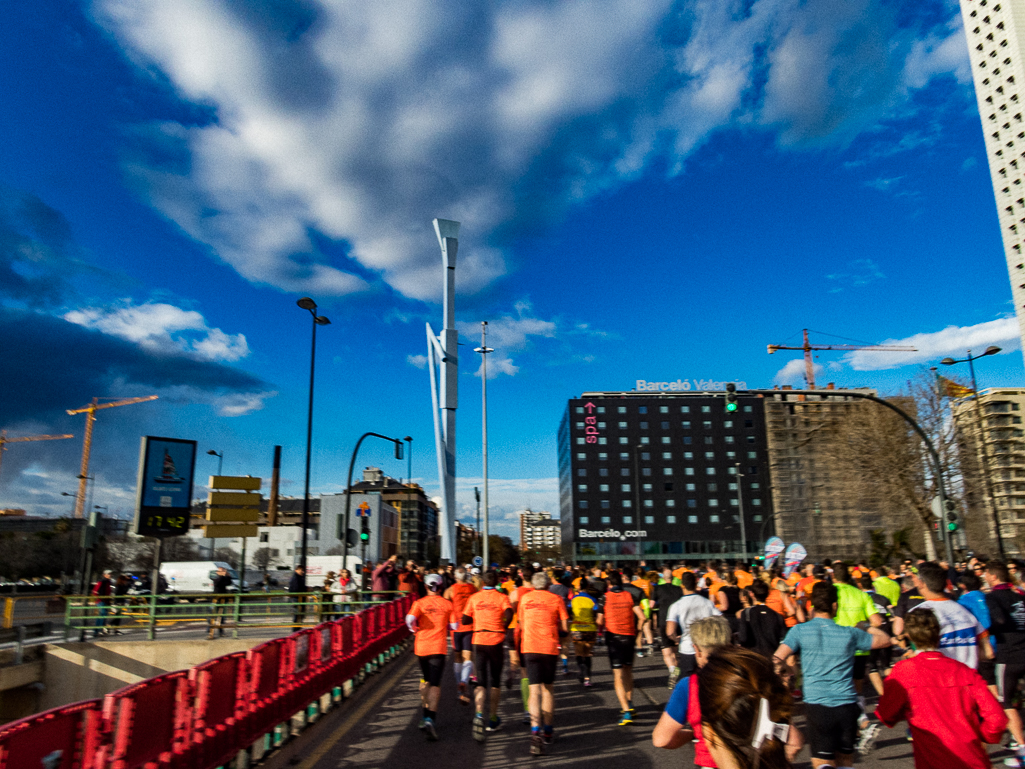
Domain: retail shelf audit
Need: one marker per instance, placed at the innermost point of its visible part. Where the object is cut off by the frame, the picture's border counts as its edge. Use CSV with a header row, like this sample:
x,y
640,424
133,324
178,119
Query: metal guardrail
x,y
18,635
220,612
26,608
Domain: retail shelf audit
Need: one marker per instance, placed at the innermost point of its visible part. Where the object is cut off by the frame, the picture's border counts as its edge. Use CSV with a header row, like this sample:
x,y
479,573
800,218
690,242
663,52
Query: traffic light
x,y
731,397
364,532
352,537
953,519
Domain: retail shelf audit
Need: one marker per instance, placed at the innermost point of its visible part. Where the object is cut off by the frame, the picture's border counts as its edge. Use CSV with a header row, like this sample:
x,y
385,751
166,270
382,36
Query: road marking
x,y
356,716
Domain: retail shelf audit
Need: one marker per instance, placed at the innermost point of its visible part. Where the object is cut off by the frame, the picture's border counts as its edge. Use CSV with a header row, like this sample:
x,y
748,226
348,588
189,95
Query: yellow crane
x,y
4,440
90,418
809,366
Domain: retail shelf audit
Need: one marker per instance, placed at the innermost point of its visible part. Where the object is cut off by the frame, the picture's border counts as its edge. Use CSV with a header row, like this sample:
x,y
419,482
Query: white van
x,y
195,576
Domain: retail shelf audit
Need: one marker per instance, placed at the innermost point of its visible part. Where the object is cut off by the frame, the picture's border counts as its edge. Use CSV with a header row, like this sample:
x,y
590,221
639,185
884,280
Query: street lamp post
x,y
476,549
220,471
986,480
318,320
740,508
409,488
484,350
348,491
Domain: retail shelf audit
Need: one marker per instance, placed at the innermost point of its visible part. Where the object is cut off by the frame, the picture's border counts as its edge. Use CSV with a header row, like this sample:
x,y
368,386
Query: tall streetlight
x,y
318,320
409,486
987,483
348,495
484,350
740,506
220,460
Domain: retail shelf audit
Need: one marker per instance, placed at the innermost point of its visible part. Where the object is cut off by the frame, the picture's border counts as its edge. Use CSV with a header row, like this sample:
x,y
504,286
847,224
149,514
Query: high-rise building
x,y
539,532
994,468
995,32
662,476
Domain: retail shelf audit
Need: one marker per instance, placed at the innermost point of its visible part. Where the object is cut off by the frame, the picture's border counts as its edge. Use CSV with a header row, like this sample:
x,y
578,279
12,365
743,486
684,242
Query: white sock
x,y
467,671
457,669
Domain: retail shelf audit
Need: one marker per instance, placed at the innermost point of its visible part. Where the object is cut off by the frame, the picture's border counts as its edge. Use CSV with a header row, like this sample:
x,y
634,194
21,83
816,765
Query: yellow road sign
x,y
241,483
233,499
226,531
226,514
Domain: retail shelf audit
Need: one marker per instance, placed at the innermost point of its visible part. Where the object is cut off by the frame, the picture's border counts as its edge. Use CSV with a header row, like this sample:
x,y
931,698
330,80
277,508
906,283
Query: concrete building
x,y
539,532
995,32
813,499
528,518
418,515
993,468
283,543
661,475
384,526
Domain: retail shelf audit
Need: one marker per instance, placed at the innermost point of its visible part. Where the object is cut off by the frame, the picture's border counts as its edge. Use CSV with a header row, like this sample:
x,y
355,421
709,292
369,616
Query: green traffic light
x,y
364,536
731,406
952,526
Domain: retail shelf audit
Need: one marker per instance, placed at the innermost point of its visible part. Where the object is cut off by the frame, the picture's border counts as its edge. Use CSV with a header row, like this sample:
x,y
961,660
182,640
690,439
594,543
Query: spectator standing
x,y
382,580
102,591
221,583
297,587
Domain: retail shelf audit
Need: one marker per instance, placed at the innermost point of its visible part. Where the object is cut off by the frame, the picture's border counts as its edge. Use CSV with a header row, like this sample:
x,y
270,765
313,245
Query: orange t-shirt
x,y
775,602
514,598
677,573
539,613
459,594
644,585
508,586
432,614
576,583
486,608
744,578
619,613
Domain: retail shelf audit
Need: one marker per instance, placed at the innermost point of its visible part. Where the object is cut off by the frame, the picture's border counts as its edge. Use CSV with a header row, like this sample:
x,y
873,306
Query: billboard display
x,y
164,492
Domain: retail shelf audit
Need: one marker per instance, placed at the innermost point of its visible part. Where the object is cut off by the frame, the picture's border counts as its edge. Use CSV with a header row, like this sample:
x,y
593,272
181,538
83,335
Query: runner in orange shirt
x,y
621,616
429,619
462,637
515,662
543,620
489,613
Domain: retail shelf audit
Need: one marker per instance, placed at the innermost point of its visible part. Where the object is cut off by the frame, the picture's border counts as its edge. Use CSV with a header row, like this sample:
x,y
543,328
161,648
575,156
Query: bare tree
x,y
261,558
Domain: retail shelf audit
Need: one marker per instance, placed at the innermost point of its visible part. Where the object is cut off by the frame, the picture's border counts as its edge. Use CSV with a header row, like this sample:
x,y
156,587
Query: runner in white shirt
x,y
960,632
682,615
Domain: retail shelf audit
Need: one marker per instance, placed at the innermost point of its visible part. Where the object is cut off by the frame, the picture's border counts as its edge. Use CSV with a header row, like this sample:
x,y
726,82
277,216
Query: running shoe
x,y
867,739
537,745
674,679
1015,761
526,718
463,696
422,725
494,724
626,718
587,683
548,737
430,731
478,728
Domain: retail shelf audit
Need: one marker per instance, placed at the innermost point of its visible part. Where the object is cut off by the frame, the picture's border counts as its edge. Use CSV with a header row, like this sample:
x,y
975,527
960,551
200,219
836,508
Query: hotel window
x,y
582,472
644,425
756,518
645,455
601,425
685,425
606,519
688,455
670,503
684,409
692,503
603,471
688,471
752,455
733,502
625,488
644,439
713,519
627,503
670,519
642,410
603,487
581,455
579,410
580,425
582,504
713,503
756,485
646,487
707,425
749,423
667,455
581,487
756,502
690,487
713,487
646,471
709,439
601,455
582,519
733,487
731,455
663,409
623,440
602,441
728,424
622,425
750,439
665,425
665,439
667,486
706,409
667,471
729,439
709,455
709,471
623,456
686,440
621,410
748,409
625,472
628,519
601,409
692,519
605,505
649,503
649,519
581,441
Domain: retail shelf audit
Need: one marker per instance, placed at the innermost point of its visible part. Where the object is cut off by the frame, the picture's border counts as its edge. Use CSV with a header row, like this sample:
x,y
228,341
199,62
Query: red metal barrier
x,y
72,732
201,717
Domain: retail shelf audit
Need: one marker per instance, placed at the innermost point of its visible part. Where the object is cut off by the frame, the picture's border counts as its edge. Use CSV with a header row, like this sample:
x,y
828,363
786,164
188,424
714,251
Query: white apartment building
x,y
995,31
539,531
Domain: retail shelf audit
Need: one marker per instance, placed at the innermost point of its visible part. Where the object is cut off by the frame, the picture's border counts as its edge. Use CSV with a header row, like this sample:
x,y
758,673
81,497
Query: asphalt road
x,y
378,728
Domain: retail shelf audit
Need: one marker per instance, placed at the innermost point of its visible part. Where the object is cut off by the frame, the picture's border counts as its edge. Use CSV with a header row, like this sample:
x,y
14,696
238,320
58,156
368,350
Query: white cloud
x,y
163,328
506,498
794,373
953,341
508,334
420,361
859,272
354,124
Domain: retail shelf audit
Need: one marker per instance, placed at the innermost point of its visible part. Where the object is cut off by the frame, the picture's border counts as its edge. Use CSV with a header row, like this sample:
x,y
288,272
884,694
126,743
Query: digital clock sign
x,y
164,492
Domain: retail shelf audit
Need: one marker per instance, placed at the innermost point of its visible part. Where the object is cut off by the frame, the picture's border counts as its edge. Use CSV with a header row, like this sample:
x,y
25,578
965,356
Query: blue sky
x,y
647,190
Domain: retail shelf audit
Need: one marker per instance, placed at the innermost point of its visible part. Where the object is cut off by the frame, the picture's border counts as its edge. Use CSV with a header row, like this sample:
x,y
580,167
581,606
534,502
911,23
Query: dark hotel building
x,y
662,476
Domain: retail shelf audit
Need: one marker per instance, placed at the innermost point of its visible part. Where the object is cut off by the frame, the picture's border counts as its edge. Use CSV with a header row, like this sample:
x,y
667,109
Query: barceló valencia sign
x,y
164,491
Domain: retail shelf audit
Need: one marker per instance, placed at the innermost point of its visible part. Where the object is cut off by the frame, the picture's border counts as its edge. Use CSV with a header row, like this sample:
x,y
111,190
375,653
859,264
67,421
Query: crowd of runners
x,y
745,649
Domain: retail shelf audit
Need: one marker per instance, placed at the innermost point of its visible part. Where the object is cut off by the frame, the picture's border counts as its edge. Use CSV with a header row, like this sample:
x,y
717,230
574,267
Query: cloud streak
x,y
953,341
339,130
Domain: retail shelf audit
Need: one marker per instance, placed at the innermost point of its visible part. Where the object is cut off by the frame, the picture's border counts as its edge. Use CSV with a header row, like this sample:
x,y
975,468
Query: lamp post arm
x,y
348,492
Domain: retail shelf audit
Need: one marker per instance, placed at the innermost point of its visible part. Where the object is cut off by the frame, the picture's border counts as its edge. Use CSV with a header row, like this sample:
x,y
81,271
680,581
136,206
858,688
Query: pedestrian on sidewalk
x,y
297,587
429,619
947,705
221,583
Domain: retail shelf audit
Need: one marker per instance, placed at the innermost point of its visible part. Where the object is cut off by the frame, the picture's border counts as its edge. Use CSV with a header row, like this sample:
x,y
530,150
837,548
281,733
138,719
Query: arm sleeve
x,y
679,700
994,719
793,640
891,705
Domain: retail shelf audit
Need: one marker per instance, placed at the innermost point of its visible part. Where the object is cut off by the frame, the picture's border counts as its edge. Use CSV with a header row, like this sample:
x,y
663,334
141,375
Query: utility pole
x,y
740,507
484,350
476,494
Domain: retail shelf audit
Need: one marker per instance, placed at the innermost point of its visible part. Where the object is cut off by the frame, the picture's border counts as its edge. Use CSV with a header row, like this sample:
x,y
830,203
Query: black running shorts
x,y
831,730
1007,677
487,659
621,649
432,667
462,642
879,660
541,668
860,665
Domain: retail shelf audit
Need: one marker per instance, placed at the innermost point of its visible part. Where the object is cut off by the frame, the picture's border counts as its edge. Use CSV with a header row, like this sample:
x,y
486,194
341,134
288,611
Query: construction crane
x,y
807,347
4,440
90,418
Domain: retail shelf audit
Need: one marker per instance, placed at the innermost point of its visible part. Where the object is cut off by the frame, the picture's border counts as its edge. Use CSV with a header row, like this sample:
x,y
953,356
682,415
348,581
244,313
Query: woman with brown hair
x,y
746,711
